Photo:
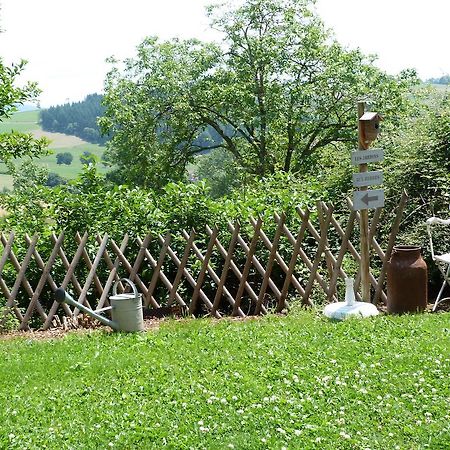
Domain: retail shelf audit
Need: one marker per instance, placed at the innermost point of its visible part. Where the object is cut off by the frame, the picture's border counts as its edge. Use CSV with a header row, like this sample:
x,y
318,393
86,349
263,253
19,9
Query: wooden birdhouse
x,y
369,127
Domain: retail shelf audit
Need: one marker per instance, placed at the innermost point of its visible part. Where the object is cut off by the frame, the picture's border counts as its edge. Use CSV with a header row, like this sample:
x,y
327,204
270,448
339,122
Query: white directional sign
x,y
367,178
367,156
368,199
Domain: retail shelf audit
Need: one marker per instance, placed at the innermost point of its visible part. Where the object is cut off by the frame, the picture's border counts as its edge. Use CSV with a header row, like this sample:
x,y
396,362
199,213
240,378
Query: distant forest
x,y
78,119
445,79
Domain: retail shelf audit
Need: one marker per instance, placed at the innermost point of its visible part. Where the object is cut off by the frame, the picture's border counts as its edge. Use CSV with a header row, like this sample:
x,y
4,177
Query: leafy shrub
x,y
55,180
64,158
88,158
8,321
220,172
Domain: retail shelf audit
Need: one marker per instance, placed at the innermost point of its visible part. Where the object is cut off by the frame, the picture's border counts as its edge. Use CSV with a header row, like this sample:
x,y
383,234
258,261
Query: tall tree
x,y
276,90
15,145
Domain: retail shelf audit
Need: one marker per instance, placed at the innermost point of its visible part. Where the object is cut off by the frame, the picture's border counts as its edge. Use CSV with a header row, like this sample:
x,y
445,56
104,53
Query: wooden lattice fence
x,y
221,272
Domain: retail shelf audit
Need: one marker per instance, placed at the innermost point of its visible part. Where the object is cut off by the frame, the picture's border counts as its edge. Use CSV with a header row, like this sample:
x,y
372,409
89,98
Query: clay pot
x,y
407,280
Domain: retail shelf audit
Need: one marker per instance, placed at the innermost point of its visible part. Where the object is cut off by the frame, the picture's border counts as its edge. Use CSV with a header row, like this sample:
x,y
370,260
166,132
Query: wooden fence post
x,y
364,223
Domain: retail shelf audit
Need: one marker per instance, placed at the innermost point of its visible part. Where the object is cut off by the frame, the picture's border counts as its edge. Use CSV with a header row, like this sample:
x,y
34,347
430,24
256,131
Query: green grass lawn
x,y
296,382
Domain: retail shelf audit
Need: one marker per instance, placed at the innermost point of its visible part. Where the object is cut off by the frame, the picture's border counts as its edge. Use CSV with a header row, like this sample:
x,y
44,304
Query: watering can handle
x,y
133,286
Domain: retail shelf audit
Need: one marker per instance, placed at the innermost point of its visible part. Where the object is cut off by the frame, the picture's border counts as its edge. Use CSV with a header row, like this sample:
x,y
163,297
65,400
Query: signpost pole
x,y
364,223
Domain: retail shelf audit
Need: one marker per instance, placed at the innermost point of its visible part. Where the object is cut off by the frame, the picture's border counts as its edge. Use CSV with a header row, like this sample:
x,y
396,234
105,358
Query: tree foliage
x,y
64,158
419,162
16,145
219,171
277,90
54,179
27,175
91,204
88,158
10,94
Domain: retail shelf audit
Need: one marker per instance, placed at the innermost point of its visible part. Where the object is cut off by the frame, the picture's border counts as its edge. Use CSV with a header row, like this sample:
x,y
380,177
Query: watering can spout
x,y
61,296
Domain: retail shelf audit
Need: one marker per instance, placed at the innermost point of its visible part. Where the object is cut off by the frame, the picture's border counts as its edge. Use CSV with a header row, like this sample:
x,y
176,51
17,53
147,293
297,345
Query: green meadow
x,y
28,122
296,383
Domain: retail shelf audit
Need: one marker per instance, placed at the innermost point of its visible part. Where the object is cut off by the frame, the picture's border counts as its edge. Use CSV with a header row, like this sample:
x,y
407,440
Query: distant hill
x,y
445,79
26,107
78,119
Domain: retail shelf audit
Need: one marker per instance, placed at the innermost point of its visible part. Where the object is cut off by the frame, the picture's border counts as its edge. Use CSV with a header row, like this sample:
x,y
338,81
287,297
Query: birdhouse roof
x,y
368,116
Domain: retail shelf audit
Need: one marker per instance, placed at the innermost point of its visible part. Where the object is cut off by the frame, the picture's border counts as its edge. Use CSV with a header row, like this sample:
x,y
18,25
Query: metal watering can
x,y
126,309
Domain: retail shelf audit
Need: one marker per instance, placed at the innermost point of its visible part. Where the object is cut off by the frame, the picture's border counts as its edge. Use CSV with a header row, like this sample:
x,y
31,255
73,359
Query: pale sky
x,y
66,42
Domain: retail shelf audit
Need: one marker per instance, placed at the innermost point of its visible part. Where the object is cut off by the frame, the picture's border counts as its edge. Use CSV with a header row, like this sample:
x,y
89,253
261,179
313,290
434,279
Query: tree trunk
x,y
260,89
290,148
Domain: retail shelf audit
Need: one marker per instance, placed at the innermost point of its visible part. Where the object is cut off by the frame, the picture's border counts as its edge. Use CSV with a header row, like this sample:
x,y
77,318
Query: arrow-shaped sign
x,y
368,199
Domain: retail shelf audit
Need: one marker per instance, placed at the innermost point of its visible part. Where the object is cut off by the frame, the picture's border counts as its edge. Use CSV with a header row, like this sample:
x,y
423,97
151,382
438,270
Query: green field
x,y
6,181
295,382
442,88
27,122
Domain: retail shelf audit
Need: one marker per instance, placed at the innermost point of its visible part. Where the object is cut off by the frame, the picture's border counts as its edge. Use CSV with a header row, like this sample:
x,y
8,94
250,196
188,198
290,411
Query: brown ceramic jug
x,y
407,280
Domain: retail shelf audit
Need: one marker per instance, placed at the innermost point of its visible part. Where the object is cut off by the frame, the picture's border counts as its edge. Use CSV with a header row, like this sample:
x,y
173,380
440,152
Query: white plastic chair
x,y
442,261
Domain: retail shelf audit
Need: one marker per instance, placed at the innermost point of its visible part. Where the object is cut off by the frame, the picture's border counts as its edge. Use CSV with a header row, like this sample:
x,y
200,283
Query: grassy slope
x,y
298,382
27,122
443,88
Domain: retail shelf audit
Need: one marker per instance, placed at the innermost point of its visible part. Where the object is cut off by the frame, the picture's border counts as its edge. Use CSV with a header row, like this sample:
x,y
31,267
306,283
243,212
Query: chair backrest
x,y
432,221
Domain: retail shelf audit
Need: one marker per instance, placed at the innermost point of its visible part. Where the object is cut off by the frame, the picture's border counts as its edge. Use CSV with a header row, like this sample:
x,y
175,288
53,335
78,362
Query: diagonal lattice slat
x,y
201,276
113,276
221,288
190,279
273,247
290,272
234,268
34,303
